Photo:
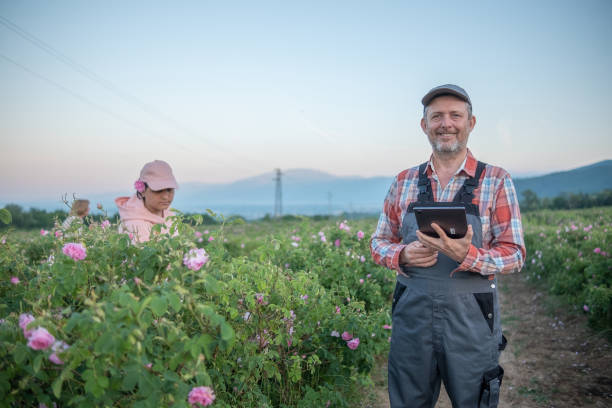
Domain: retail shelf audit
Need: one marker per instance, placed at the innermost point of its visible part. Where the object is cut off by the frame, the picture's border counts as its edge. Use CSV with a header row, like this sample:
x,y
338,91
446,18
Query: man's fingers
x,y
470,232
422,251
425,261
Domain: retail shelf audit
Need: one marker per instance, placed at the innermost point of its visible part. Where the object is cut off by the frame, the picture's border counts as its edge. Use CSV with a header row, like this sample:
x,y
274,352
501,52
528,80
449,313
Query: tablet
x,y
451,219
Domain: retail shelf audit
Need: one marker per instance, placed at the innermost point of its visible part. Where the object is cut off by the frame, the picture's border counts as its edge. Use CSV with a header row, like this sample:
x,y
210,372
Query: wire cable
x,y
109,86
90,103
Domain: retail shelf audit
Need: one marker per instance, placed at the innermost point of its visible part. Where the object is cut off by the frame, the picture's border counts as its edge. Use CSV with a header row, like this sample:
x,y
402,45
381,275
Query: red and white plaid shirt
x,y
503,248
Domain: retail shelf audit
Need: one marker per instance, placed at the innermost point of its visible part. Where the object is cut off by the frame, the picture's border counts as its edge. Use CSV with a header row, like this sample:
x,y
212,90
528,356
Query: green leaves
x,y
5,216
241,325
159,305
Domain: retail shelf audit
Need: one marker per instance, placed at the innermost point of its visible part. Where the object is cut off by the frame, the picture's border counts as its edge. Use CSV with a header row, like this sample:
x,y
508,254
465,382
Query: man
x,y
446,321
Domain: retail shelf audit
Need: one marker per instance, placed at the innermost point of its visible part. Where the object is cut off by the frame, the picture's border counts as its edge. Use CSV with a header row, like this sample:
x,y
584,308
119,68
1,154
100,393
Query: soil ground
x,y
552,360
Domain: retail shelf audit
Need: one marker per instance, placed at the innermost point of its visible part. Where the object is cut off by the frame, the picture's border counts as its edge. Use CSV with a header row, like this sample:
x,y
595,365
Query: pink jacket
x,y
135,218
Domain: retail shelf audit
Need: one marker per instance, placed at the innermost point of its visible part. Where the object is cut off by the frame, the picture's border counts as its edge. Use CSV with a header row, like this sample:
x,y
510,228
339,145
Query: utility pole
x,y
278,195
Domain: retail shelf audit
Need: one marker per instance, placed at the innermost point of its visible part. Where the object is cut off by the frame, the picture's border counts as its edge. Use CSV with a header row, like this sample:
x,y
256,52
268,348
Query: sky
x,y
223,90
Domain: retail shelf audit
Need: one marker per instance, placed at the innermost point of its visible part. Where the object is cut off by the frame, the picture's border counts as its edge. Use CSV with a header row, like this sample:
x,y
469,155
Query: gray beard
x,y
440,147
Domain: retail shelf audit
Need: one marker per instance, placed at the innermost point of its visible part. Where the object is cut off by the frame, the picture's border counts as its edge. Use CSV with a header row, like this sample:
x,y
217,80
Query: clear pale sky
x,y
229,89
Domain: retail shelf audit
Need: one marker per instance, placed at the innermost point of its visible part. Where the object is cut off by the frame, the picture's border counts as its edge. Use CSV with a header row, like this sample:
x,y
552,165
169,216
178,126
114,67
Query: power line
x,y
90,103
108,85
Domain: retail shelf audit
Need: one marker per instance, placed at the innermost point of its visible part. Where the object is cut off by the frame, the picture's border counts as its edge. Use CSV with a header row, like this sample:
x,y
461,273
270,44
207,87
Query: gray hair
x,y
468,107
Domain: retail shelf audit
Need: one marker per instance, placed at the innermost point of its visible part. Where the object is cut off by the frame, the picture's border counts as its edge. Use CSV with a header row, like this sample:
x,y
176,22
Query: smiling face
x,y
158,201
447,124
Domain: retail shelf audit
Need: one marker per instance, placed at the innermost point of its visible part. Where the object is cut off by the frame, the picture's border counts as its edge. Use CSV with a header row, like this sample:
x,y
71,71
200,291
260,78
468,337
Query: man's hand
x,y
455,249
418,255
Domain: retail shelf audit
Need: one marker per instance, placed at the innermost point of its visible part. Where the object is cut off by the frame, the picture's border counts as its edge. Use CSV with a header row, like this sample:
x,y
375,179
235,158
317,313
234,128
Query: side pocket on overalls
x,y
397,294
491,385
485,302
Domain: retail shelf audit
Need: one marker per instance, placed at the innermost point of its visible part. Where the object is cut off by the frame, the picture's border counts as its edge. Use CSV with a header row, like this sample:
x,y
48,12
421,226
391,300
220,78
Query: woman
x,y
150,205
78,211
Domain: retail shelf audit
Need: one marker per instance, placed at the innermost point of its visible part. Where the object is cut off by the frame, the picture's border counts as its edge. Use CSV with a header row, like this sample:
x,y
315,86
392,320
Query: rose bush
x,y
246,317
569,252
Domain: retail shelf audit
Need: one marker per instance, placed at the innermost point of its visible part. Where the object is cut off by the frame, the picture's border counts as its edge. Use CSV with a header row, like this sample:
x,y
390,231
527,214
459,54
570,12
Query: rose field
x,y
286,313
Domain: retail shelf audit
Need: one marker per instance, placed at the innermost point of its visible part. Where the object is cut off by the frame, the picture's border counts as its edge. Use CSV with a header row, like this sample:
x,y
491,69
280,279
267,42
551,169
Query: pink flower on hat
x,y
139,185
203,396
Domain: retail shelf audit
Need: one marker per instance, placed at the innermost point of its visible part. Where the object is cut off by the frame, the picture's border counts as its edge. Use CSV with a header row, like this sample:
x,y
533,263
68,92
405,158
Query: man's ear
x,y
472,122
424,125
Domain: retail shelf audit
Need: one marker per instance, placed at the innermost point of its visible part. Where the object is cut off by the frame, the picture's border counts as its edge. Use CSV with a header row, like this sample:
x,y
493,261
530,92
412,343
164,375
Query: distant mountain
x,y
310,192
587,179
304,191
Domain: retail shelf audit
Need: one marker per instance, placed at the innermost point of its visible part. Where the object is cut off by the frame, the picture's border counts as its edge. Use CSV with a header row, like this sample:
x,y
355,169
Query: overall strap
x,y
425,193
466,192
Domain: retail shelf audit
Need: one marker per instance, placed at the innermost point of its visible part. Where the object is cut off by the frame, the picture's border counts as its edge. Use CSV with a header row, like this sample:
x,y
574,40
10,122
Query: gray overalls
x,y
445,327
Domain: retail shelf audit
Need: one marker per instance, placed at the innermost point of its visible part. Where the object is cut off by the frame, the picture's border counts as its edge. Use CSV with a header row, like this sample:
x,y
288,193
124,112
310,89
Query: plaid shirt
x,y
503,248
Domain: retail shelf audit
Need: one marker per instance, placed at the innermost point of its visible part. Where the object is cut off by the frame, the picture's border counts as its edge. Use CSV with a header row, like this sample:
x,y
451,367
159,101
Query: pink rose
x,y
139,186
195,259
105,224
58,346
346,336
585,308
198,234
361,281
337,243
58,234
76,251
14,280
24,320
353,344
337,309
43,232
201,395
40,339
360,235
55,359
387,327
211,238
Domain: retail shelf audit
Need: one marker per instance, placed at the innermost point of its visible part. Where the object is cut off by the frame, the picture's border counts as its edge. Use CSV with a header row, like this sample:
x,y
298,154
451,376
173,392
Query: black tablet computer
x,y
451,219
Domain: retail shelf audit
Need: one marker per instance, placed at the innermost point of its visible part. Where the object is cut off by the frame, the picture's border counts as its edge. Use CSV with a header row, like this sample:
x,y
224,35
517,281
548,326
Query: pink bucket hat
x,y
158,175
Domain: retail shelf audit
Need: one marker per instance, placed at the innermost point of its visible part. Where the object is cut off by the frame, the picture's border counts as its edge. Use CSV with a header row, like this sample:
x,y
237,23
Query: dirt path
x,y
552,359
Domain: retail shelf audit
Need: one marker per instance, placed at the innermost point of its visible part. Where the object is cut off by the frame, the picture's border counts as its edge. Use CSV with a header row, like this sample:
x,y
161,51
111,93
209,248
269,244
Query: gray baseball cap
x,y
448,89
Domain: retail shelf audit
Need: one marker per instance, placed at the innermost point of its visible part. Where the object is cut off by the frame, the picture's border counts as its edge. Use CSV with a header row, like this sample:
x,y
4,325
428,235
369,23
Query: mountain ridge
x,y
309,192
